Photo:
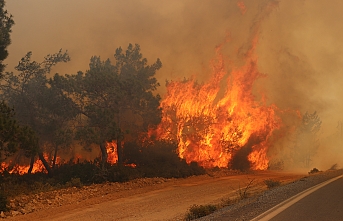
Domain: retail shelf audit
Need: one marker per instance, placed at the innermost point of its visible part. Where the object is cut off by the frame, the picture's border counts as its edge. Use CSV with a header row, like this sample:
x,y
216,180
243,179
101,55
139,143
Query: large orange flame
x,y
211,123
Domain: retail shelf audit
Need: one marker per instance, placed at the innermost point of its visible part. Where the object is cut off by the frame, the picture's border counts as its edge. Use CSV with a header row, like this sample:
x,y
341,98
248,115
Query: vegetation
x,y
314,170
198,211
6,23
115,102
272,183
306,142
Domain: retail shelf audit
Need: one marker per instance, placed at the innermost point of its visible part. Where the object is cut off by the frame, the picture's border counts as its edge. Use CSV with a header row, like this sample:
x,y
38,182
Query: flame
x,y
211,123
23,169
112,156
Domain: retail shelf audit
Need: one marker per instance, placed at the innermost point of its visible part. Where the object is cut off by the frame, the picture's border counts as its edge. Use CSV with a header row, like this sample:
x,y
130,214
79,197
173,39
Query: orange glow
x,y
22,169
210,122
242,7
112,157
112,154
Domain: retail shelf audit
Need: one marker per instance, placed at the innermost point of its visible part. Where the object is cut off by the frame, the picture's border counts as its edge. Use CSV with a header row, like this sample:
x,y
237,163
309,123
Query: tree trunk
x,y
45,163
119,140
55,156
119,151
32,161
103,155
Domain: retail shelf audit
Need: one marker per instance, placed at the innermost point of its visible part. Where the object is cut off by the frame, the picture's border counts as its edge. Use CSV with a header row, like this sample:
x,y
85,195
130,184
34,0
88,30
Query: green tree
x,y
39,104
115,100
12,136
307,141
6,23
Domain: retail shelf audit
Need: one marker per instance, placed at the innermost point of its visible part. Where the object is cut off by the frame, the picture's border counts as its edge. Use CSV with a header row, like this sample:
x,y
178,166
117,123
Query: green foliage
x,y
38,103
114,98
198,211
13,136
272,183
6,23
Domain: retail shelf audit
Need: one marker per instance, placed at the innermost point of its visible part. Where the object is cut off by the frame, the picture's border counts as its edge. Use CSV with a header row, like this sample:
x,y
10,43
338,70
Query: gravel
x,y
248,209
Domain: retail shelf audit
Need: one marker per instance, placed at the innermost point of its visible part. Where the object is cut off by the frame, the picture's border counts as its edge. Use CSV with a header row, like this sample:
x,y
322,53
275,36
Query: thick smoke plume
x,y
299,47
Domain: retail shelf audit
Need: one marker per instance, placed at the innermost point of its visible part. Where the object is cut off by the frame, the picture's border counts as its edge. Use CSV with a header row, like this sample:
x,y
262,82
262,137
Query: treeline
x,y
114,100
107,102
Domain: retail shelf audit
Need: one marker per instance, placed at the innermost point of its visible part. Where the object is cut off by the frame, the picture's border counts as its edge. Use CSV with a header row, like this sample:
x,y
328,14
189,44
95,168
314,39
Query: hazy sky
x,y
300,46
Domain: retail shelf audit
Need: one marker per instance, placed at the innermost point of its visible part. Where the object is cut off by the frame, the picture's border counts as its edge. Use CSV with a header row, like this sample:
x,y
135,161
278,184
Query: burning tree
x,y
114,101
39,105
212,127
13,137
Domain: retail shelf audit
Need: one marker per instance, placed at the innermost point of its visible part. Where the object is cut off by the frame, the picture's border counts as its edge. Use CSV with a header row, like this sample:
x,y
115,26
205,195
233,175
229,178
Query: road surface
x,y
170,201
324,202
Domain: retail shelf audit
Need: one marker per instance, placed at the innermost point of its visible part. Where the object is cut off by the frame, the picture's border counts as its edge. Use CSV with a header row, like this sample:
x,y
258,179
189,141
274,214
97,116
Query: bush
x,y
272,183
76,182
160,160
197,211
3,202
314,170
334,167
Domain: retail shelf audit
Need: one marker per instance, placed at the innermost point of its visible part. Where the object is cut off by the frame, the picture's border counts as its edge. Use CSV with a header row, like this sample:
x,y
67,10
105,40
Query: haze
x,y
300,47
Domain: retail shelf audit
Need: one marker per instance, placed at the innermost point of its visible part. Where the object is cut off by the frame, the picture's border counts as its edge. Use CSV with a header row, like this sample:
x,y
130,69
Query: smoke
x,y
299,45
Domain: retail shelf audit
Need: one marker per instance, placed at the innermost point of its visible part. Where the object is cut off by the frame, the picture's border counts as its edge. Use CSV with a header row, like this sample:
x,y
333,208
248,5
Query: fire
x,y
112,156
22,169
212,123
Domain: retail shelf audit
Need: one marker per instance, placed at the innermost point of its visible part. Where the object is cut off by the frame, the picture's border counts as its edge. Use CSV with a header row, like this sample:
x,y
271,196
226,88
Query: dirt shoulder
x,y
141,199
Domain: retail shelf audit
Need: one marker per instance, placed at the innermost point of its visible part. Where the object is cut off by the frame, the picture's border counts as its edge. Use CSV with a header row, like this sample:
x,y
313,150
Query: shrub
x,y
76,182
272,183
196,211
160,159
3,202
334,167
314,170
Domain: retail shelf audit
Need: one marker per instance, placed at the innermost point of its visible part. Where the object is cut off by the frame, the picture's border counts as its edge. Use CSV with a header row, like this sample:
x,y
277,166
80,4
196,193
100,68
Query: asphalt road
x,y
325,203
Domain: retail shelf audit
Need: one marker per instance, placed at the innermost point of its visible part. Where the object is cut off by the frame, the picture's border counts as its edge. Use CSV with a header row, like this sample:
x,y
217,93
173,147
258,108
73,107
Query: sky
x,y
300,46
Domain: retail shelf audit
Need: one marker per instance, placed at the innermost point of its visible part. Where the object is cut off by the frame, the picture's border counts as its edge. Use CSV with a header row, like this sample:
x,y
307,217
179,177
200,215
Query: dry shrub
x,y
197,211
272,183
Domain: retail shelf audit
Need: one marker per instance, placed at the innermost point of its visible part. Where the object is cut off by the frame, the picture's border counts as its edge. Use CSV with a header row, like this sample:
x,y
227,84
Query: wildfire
x,y
213,124
112,157
22,169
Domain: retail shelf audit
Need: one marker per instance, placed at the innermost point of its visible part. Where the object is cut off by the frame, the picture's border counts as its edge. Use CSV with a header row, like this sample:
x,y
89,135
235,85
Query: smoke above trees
x,y
299,46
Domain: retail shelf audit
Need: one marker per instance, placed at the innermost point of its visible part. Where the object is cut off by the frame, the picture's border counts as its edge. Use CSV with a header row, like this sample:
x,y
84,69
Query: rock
x,y
23,211
12,204
14,213
2,214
